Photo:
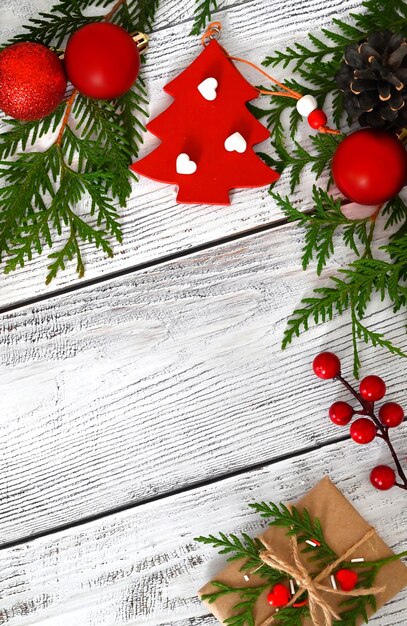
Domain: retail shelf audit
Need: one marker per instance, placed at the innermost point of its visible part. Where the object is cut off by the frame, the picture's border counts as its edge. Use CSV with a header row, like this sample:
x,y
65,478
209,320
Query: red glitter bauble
x,y
32,81
102,60
370,166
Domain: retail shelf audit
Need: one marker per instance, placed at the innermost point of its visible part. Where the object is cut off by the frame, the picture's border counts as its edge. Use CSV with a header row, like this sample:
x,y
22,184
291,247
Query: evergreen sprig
x,y
298,524
202,15
91,147
316,64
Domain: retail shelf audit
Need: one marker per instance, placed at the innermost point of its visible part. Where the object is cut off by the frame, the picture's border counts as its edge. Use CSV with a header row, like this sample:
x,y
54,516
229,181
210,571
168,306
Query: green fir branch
x,y
321,226
88,161
298,524
202,15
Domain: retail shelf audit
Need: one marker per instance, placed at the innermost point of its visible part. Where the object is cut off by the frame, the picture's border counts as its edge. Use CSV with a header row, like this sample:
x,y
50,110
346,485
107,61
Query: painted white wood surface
x,y
147,383
143,566
153,224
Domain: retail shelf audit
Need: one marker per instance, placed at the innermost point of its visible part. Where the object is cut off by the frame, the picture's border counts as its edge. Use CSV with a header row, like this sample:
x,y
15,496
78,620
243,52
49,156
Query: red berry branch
x,y
364,429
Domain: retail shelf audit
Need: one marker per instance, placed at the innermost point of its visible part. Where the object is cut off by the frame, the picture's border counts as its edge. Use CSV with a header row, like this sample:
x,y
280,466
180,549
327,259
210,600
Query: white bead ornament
x,y
306,105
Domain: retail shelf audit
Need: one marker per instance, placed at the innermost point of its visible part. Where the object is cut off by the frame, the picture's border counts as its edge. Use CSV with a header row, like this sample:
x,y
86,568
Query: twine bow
x,y
318,606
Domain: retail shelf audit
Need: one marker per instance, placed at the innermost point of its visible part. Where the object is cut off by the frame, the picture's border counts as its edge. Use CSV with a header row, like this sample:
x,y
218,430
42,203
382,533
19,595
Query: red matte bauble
x,y
370,166
32,81
102,61
383,477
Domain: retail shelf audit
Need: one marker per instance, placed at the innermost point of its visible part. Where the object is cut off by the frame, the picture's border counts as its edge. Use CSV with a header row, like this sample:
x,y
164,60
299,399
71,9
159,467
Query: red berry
x,y
341,413
391,414
326,365
317,119
102,60
383,477
363,430
358,166
347,579
372,388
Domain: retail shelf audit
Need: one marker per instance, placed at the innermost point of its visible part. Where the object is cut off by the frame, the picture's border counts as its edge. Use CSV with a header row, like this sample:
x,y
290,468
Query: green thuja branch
x,y
203,13
92,145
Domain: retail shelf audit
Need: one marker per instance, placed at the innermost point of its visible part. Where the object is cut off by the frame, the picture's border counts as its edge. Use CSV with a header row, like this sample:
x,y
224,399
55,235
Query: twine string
x,y
213,32
313,586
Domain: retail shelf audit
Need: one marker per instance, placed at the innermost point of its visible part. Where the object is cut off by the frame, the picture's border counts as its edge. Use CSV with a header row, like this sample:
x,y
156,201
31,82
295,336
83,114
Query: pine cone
x,y
373,77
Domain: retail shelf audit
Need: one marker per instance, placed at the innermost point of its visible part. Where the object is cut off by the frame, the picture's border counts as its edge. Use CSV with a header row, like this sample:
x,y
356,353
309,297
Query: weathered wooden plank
x,y
143,566
154,381
153,224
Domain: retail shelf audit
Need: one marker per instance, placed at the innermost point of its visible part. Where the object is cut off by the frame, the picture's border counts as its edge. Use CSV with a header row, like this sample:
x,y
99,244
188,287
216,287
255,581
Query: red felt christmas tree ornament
x,y
32,81
208,134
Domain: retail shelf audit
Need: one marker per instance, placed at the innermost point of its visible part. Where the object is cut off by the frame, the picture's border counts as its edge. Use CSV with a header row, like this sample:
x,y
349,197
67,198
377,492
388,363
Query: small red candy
x,y
347,579
391,414
326,365
341,413
317,119
372,388
363,430
279,596
383,477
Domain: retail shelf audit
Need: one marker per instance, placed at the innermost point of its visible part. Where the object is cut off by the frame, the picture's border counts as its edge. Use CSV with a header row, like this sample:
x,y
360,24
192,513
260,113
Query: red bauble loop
x,y
341,413
326,365
370,166
372,388
102,61
391,414
363,430
383,477
32,81
317,119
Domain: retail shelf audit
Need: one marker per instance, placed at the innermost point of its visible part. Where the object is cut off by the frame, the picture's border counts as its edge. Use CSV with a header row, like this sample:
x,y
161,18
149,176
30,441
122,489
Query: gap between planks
x,y
133,269
173,492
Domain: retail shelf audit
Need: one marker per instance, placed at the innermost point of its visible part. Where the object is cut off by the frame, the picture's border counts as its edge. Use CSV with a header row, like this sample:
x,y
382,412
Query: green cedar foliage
x,y
41,189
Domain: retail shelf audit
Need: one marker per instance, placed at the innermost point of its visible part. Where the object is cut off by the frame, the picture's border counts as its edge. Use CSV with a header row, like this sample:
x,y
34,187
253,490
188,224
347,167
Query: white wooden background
x,y
150,405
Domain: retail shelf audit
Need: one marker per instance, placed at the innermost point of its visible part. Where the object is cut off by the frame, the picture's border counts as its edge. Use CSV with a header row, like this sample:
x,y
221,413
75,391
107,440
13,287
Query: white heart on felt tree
x,y
208,88
185,165
236,143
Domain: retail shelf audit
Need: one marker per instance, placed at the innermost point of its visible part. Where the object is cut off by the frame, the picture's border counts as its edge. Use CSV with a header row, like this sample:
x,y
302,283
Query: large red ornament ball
x,y
102,60
32,81
370,166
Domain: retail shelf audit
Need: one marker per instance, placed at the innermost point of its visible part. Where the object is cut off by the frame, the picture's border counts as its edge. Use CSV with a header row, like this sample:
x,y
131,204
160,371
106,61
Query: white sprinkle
x,y
246,577
277,610
358,560
333,582
311,543
292,588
